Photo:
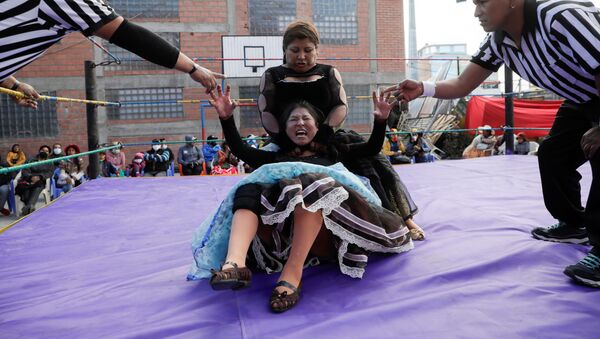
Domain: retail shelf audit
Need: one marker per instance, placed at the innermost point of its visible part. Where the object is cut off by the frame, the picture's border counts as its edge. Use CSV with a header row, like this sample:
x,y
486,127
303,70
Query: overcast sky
x,y
445,21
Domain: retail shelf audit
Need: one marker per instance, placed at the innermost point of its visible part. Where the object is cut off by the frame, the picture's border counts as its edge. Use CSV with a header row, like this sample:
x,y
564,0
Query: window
x,y
270,17
146,8
359,110
249,116
145,103
132,62
21,122
336,21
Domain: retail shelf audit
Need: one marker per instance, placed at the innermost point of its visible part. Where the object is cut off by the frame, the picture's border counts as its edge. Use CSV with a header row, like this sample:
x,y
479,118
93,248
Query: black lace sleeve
x,y
252,156
266,100
369,148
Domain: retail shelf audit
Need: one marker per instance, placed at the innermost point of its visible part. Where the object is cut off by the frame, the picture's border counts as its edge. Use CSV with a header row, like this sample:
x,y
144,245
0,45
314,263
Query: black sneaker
x,y
561,232
586,271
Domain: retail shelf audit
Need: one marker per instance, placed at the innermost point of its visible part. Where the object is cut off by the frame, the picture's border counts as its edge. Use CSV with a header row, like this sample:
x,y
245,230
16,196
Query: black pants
x,y
559,156
189,170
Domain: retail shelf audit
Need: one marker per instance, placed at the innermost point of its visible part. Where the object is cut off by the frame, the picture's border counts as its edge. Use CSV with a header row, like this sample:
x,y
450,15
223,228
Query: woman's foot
x,y
231,277
416,232
284,296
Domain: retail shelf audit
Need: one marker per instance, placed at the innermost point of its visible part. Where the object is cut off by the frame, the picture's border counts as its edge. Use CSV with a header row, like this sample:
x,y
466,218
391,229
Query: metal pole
x,y
509,111
92,118
457,66
202,121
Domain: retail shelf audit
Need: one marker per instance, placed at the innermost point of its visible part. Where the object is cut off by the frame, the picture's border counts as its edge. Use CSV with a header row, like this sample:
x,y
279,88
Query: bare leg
x,y
243,229
306,228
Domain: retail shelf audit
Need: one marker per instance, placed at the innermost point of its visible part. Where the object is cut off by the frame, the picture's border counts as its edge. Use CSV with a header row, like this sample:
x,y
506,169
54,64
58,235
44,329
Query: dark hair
x,y
299,30
46,146
12,149
314,112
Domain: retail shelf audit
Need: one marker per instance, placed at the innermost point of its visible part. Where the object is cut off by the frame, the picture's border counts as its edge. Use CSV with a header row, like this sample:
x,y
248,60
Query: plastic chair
x,y
533,148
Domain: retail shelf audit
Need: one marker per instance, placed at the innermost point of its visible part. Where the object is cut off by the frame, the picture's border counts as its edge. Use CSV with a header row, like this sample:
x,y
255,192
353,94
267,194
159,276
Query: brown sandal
x,y
281,302
234,278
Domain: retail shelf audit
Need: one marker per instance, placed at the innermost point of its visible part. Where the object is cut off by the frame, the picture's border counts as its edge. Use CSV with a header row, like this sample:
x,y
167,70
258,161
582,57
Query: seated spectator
x,y
57,152
482,145
209,150
5,179
417,147
226,162
251,141
115,161
33,182
165,146
264,141
15,156
102,166
157,160
394,150
190,157
64,182
136,168
75,166
522,145
499,147
45,149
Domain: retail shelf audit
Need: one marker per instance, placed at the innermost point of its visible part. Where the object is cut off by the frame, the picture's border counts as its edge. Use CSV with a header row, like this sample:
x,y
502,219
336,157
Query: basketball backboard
x,y
254,55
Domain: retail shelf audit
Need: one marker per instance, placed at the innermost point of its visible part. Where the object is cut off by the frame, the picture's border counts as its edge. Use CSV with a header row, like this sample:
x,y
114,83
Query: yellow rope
x,y
20,95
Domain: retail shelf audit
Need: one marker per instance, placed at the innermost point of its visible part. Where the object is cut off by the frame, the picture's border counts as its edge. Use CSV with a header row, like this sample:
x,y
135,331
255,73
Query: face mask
x,y
57,151
164,146
116,151
156,147
137,161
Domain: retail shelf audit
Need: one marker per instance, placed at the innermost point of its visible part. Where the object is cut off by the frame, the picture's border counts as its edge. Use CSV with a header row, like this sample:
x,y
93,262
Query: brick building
x,y
348,28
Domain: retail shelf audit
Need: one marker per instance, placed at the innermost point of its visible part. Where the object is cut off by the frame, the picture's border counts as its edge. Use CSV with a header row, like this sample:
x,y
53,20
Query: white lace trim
x,y
371,246
258,249
281,216
329,201
326,203
354,272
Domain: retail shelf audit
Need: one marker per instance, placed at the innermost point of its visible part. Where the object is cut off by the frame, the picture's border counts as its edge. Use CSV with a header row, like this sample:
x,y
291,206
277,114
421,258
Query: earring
x,y
512,6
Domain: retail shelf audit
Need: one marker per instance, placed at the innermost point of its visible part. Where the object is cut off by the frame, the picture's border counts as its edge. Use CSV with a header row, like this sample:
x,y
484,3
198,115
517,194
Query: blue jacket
x,y
210,152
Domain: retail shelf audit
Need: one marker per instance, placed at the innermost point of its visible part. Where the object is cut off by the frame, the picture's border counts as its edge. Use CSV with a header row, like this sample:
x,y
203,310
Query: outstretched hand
x,y
382,106
222,102
206,77
590,142
405,91
30,98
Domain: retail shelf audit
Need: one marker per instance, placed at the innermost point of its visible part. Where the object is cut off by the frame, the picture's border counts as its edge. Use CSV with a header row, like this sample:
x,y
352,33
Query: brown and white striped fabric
x,y
358,227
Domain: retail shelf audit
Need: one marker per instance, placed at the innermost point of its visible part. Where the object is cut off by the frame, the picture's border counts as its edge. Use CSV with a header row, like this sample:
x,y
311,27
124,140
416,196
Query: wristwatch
x,y
15,86
194,68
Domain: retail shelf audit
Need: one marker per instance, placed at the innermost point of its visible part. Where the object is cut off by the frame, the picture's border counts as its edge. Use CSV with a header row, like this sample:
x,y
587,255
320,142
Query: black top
x,y
256,157
323,93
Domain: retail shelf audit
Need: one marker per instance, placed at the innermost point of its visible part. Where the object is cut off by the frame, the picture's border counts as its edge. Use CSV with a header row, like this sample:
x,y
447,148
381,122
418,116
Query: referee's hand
x,y
590,142
31,96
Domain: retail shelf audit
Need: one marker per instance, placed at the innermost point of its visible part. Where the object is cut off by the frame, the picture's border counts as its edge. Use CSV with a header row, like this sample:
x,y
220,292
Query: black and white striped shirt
x,y
29,27
560,48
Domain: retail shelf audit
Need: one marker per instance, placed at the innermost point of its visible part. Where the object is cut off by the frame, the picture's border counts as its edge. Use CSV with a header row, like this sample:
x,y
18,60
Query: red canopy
x,y
528,113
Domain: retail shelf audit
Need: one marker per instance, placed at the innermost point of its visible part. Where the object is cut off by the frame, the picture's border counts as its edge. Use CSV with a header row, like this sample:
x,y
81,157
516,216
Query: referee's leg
x,y
559,156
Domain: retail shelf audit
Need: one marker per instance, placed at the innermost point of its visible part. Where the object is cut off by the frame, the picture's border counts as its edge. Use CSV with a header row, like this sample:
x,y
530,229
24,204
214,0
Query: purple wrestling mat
x,y
110,260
